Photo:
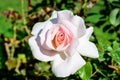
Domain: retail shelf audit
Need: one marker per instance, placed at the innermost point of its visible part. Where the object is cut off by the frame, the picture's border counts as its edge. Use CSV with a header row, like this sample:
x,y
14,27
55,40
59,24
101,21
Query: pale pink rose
x,y
62,39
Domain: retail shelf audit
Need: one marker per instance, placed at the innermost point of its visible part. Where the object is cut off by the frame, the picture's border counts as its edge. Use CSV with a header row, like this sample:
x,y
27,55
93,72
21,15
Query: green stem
x,y
84,5
24,18
13,44
7,50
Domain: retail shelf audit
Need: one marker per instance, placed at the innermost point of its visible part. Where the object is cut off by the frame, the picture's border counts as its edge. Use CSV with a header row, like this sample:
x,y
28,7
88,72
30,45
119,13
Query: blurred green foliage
x,y
17,18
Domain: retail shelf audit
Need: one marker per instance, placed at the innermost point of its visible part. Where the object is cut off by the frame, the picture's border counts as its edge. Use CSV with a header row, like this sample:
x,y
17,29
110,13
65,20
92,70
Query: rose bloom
x,y
62,39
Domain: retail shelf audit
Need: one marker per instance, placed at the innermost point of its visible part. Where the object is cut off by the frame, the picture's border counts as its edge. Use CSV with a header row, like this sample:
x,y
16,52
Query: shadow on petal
x,y
43,50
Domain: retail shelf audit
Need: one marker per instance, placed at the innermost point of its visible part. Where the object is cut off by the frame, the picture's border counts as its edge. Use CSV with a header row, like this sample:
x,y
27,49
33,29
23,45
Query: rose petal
x,y
86,47
47,26
70,26
50,35
62,47
88,33
40,25
72,48
37,51
64,68
54,15
72,29
64,15
79,23
37,28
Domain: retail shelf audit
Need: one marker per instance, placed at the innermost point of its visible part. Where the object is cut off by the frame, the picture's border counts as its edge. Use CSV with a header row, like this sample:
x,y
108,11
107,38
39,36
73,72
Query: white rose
x,y
62,39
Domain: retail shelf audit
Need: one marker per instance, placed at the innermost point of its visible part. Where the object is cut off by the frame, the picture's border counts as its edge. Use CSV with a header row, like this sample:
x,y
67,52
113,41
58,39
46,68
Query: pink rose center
x,y
62,37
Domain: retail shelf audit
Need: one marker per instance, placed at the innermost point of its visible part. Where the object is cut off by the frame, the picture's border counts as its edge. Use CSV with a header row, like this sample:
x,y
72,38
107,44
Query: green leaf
x,y
113,17
99,33
22,57
103,79
6,27
86,71
11,63
94,18
97,8
116,56
111,1
115,53
42,67
104,46
115,45
101,56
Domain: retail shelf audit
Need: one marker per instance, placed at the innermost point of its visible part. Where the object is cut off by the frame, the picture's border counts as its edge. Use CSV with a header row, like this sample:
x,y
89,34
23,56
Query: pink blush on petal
x,y
62,36
59,37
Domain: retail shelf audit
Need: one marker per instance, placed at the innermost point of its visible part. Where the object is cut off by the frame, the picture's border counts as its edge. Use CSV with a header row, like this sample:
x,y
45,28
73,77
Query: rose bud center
x,y
62,37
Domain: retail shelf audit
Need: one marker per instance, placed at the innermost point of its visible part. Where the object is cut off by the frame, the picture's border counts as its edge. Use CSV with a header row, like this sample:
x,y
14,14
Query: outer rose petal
x,y
79,23
54,15
75,20
47,26
64,15
40,29
38,53
40,25
64,68
37,28
86,47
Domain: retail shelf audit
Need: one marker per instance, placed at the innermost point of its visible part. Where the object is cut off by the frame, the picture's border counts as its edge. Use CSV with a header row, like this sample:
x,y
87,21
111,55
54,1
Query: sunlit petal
x,y
64,68
86,47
